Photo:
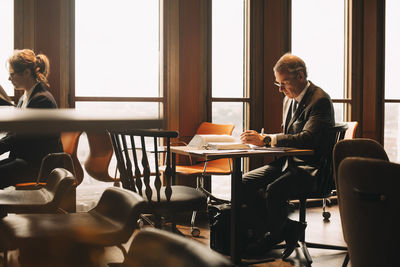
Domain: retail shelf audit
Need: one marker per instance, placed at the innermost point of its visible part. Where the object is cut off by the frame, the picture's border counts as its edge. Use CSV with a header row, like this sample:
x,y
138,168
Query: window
x,y
7,42
319,40
228,99
392,94
117,59
228,94
117,56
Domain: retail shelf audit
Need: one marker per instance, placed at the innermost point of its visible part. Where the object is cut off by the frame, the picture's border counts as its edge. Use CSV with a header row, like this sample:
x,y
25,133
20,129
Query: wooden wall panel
x,y
47,39
192,67
367,69
276,42
170,62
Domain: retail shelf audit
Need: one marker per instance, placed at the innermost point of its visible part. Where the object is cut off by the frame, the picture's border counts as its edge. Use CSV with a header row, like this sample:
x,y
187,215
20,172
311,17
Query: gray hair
x,y
291,64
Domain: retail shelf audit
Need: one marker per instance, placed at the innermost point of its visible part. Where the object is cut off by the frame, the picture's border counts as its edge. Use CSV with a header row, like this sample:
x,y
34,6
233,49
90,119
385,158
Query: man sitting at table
x,y
307,115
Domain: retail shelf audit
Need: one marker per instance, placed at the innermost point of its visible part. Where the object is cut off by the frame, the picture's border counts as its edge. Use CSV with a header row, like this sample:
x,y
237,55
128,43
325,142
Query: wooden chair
x,y
163,201
153,248
360,147
99,157
368,196
71,239
70,141
204,169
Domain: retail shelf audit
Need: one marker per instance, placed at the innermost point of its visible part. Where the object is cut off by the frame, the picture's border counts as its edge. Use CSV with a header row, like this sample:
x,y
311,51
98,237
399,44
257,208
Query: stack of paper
x,y
215,142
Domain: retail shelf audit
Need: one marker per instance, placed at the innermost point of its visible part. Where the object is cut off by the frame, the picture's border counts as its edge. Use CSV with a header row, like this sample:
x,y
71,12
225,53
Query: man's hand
x,y
252,137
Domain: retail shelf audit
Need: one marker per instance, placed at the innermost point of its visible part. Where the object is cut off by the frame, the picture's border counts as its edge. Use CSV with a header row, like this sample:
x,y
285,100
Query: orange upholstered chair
x,y
100,154
351,130
203,169
70,141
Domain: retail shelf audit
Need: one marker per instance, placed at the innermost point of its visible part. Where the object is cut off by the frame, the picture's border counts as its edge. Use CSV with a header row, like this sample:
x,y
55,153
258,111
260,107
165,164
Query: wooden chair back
x,y
130,147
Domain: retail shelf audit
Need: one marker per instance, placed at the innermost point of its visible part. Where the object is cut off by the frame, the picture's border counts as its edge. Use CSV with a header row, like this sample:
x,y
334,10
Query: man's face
x,y
290,84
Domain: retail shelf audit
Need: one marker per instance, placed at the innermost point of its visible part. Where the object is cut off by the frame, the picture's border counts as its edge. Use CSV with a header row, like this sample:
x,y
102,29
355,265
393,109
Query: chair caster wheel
x,y
195,232
326,215
290,207
140,223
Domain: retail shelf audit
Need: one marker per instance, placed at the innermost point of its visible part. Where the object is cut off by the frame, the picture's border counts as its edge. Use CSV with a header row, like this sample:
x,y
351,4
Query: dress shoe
x,y
293,231
262,245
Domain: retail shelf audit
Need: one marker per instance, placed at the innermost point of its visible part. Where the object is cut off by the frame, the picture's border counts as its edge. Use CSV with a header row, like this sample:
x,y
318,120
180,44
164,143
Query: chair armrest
x,y
29,186
179,143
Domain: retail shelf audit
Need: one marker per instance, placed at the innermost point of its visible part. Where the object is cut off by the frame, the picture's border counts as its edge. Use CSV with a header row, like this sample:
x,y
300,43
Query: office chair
x,y
162,201
39,199
360,147
351,130
53,197
153,247
350,134
368,196
204,169
69,239
49,163
71,163
324,190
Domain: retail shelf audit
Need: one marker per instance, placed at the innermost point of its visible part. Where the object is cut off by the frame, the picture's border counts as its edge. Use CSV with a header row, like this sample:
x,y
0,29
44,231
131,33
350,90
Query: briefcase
x,y
220,228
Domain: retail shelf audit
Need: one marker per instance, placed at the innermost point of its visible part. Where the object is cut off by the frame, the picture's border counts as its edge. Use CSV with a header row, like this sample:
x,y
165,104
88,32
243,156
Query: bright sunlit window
x,y
392,93
319,40
227,74
117,59
227,62
117,48
7,42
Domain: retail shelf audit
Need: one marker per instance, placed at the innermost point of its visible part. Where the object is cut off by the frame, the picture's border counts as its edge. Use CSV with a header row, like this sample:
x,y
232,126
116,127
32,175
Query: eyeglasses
x,y
282,85
285,83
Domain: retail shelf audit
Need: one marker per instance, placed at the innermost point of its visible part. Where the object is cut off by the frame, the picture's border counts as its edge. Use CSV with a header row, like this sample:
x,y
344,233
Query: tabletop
x,y
264,151
64,120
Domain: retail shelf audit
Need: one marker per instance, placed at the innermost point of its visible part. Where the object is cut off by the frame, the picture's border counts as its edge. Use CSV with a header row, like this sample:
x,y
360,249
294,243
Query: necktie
x,y
294,106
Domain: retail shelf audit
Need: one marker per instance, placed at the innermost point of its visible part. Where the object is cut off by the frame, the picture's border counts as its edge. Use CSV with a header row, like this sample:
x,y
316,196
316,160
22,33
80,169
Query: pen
x,y
262,131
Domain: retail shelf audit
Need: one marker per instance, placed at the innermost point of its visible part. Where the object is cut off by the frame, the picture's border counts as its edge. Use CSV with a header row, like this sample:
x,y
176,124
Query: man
x,y
307,115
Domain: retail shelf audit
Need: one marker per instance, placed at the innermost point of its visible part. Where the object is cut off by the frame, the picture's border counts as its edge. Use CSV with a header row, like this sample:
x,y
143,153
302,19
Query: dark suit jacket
x,y
308,128
32,148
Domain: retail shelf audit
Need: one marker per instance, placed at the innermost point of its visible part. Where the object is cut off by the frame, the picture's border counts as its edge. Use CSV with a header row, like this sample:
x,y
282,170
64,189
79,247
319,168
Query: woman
x,y
28,72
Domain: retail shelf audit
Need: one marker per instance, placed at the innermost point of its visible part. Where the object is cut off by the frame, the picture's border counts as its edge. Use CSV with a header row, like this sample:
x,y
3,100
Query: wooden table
x,y
64,120
236,179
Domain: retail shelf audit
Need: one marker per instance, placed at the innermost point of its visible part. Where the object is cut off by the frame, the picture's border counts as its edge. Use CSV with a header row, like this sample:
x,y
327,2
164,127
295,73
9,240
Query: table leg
x,y
236,202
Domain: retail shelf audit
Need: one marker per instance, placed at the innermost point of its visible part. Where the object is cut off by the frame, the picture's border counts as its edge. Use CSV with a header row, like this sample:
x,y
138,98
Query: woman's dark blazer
x,y
32,148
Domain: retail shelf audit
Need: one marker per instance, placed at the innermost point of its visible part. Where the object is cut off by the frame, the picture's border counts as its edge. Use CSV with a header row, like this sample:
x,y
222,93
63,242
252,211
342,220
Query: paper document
x,y
227,146
5,100
274,148
216,142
